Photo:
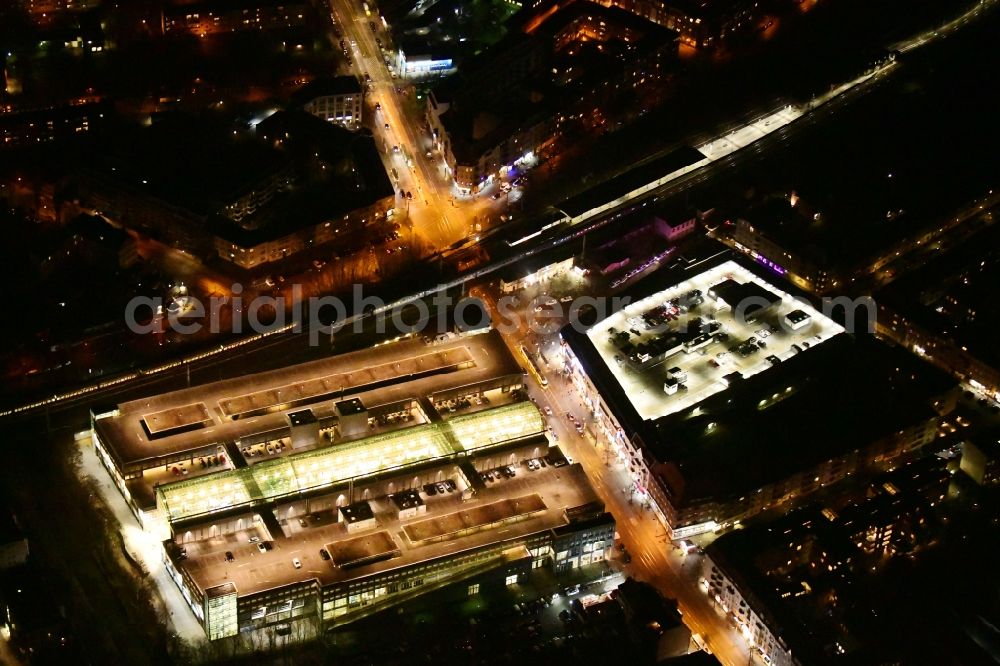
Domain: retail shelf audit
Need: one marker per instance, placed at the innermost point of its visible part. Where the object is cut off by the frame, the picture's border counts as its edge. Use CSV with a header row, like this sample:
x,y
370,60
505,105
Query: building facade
x,y
225,613
661,438
700,24
252,255
337,100
36,127
221,16
938,349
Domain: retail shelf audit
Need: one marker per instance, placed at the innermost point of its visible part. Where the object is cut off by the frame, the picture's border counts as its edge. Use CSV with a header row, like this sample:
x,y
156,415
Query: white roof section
x,y
644,388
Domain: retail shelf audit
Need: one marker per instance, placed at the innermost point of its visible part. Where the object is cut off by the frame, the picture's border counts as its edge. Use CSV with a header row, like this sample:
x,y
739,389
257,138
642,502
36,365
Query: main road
x,y
433,212
655,559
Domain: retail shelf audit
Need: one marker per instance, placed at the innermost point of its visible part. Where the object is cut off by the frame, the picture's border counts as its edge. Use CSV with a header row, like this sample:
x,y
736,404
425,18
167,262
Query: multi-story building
x,y
338,100
777,590
540,269
700,23
823,249
35,127
47,11
554,63
495,113
299,183
944,312
897,513
981,458
208,17
416,58
712,428
347,522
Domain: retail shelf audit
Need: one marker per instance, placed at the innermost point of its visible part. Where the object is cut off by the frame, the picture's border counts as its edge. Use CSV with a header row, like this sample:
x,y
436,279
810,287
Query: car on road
x,y
296,563
229,556
254,539
395,149
548,410
387,125
378,106
261,547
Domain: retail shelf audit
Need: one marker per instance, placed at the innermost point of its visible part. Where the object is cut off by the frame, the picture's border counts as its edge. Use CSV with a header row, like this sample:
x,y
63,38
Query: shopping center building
x,y
725,395
313,495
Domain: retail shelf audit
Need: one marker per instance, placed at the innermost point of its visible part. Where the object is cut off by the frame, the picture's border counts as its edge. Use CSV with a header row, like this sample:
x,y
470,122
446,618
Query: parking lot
x,y
734,346
265,450
255,560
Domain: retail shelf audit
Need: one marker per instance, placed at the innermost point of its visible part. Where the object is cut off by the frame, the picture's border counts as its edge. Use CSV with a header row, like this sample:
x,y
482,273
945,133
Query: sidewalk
x,y
142,547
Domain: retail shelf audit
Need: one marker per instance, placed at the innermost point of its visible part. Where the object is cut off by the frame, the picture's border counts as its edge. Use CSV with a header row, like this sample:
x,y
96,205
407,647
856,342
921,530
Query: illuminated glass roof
x,y
319,468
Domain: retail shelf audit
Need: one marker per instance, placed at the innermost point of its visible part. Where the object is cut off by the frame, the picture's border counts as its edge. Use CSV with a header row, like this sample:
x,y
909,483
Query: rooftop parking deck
x,y
553,491
384,374
701,372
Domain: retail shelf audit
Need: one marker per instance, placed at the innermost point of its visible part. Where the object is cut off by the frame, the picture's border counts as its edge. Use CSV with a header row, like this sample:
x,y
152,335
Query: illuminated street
x,y
491,332
654,557
434,211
